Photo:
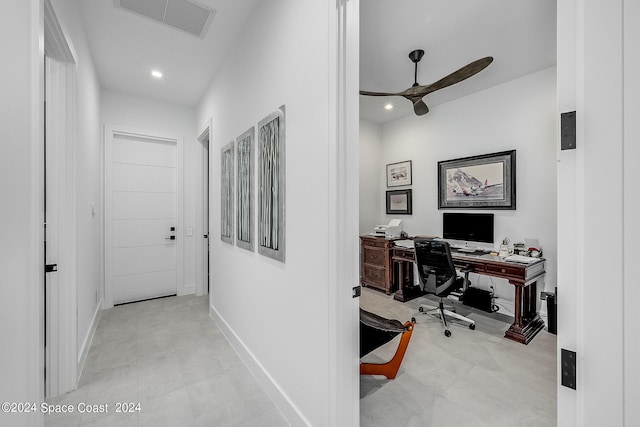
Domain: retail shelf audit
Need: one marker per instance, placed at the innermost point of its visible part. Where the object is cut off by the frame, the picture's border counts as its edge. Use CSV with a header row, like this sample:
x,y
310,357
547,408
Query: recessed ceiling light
x,y
157,74
388,107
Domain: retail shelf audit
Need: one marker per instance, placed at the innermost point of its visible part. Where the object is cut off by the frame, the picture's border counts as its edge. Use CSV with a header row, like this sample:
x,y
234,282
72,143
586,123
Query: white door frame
x,y
343,138
61,357
201,247
110,132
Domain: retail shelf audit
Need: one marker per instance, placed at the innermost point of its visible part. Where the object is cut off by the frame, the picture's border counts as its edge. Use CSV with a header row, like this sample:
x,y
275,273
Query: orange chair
x,y
376,331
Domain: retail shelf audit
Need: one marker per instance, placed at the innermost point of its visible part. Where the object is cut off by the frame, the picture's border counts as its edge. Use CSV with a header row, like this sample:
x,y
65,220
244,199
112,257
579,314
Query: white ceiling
x,y
126,47
519,34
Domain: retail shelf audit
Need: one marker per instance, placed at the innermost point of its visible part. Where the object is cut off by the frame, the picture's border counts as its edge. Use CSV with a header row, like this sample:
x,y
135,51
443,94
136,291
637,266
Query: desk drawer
x,y
374,276
504,270
378,242
373,256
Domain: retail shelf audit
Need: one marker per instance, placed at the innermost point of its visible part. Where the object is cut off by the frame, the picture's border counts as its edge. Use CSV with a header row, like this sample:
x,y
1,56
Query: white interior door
x,y
202,217
143,203
205,215
60,229
54,161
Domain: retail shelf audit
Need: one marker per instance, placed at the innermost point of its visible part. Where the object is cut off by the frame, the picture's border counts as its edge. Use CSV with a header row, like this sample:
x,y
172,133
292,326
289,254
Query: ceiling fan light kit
x,y
416,92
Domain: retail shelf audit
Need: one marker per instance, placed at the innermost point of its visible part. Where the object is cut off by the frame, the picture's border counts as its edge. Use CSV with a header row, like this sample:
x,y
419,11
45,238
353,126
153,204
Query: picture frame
x,y
399,174
399,202
271,185
487,181
245,190
226,192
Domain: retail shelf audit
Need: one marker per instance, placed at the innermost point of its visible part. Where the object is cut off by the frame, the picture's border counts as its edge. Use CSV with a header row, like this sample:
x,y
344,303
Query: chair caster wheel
x,y
420,309
413,319
472,326
447,333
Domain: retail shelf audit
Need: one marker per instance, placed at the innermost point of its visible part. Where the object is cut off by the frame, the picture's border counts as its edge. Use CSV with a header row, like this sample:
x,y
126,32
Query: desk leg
x,y
406,289
526,323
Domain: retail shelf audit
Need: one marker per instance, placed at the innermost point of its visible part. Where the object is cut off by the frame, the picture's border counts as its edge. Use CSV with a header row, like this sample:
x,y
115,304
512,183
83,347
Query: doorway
x,y
203,273
60,288
143,220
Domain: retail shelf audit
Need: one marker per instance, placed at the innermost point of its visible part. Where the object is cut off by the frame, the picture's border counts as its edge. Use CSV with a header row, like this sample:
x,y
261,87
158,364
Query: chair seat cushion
x,y
376,331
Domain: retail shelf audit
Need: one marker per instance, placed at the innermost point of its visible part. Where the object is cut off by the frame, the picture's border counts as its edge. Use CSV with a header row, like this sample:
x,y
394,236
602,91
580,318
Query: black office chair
x,y
439,277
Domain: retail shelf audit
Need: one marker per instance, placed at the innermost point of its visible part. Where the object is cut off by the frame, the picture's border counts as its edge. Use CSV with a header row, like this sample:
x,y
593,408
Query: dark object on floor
x,y
480,299
376,331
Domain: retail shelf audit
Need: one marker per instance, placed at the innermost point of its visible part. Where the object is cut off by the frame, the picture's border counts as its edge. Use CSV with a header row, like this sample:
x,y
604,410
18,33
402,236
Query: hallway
x,y
168,356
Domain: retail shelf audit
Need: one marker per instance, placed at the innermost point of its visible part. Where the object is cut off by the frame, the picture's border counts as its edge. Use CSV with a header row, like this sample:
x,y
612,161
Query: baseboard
x,y
284,404
86,344
544,316
187,289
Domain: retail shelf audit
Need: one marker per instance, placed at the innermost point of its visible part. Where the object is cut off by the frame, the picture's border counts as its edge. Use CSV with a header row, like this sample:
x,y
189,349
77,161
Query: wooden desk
x,y
527,322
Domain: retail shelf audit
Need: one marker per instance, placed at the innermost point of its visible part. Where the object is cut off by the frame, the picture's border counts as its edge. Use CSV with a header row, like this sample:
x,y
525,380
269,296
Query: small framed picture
x,y
399,174
399,202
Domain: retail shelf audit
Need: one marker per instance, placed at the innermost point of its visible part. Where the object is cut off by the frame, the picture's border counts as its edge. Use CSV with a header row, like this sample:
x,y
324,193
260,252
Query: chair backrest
x,y
435,265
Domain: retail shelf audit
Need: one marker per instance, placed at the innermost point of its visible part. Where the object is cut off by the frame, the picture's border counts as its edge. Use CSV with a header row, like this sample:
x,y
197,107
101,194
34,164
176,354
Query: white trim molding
x,y
88,339
343,185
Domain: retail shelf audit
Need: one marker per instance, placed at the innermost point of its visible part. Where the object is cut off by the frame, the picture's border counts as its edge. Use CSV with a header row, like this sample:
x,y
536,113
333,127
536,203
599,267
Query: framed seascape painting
x,y
226,193
399,174
478,182
244,190
399,202
271,181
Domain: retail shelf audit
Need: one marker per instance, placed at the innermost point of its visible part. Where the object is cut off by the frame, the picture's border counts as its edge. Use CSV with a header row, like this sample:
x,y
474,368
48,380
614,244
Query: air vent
x,y
181,14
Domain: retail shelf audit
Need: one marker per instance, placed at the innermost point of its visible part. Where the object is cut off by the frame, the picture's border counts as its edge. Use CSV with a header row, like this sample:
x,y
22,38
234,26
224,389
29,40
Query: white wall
x,y
277,313
21,208
372,181
520,115
164,119
88,148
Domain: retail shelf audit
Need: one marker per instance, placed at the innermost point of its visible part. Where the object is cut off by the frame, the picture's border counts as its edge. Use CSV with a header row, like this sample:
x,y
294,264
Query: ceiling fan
x,y
416,92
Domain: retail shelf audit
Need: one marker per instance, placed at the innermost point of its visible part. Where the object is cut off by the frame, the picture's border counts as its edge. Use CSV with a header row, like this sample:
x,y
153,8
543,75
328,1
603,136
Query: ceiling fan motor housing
x,y
416,55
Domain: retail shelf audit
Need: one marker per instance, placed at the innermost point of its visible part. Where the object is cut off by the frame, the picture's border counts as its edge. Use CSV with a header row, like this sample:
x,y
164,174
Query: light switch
x,y
189,231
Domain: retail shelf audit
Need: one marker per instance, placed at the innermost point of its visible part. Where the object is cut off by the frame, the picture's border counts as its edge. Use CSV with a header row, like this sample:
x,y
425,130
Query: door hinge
x,y
356,292
568,368
50,268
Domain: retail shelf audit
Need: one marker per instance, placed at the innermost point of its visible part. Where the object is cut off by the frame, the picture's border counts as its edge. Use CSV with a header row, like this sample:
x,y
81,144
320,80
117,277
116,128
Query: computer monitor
x,y
474,227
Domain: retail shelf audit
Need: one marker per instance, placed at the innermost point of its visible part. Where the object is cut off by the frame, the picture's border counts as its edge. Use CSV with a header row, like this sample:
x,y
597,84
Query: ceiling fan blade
x,y
420,108
364,92
457,76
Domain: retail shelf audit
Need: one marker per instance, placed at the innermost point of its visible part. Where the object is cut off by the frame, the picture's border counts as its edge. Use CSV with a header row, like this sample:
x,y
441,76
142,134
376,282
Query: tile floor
x,y
168,355
473,378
